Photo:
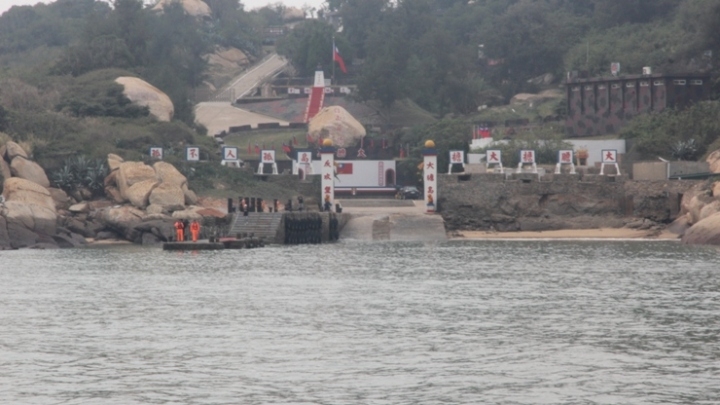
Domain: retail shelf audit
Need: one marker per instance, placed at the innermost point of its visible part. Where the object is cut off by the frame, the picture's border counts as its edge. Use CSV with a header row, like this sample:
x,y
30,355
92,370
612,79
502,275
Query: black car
x,y
410,193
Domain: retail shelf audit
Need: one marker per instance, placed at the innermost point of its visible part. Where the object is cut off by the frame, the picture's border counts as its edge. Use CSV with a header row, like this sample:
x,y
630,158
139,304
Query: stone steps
x,y
261,224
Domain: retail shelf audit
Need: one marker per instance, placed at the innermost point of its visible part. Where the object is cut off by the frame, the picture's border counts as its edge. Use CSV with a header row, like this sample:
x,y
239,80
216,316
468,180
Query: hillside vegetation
x,y
58,62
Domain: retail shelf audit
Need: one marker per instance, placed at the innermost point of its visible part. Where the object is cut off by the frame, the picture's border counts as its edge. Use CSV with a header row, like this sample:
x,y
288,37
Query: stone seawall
x,y
526,202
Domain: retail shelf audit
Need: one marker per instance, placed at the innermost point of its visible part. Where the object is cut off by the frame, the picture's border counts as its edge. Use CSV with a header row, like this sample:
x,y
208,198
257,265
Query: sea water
x,y
458,322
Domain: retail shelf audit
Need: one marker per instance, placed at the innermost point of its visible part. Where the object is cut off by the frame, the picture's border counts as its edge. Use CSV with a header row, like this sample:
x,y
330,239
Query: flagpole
x,y
333,60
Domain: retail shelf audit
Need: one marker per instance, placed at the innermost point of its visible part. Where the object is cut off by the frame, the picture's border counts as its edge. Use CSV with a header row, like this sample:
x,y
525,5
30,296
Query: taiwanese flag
x,y
345,168
286,148
337,58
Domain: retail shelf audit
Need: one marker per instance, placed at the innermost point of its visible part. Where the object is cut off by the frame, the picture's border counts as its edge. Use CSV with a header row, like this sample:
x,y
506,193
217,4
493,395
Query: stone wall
x,y
527,202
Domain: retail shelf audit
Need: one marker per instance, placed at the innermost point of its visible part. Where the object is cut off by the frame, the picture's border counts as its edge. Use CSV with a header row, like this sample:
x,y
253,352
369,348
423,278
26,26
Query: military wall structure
x,y
527,202
600,106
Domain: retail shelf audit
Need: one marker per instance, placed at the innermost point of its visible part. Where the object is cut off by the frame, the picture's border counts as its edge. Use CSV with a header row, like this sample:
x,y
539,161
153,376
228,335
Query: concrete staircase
x,y
261,224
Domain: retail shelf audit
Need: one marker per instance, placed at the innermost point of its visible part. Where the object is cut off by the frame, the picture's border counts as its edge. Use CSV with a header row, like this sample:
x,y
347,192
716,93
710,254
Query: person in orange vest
x,y
195,230
179,231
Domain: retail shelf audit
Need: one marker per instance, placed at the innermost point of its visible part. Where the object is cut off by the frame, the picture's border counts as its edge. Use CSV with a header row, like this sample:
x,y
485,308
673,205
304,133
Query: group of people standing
x,y
181,225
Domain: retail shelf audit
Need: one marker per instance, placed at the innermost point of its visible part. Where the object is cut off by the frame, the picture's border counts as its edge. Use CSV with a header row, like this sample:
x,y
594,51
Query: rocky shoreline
x,y
141,202
140,205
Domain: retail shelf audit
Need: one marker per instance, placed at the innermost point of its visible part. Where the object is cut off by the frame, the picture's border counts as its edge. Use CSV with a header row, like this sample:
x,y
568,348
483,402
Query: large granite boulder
x,y
145,94
122,220
13,150
696,205
131,173
336,123
168,174
29,170
29,213
714,160
190,197
195,8
5,171
60,197
114,161
139,193
705,232
168,195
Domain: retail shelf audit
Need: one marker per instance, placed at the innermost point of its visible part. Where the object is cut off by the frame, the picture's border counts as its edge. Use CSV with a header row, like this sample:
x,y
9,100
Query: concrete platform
x,y
223,243
391,220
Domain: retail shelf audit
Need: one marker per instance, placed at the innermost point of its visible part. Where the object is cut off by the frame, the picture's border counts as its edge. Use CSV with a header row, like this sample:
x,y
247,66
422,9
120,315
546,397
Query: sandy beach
x,y
601,233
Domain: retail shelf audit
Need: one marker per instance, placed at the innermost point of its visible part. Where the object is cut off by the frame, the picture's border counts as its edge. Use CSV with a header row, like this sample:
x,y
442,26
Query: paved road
x,y
218,116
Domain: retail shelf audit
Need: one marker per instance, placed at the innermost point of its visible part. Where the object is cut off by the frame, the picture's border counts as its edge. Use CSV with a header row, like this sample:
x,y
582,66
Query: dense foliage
x,y
58,61
454,55
685,135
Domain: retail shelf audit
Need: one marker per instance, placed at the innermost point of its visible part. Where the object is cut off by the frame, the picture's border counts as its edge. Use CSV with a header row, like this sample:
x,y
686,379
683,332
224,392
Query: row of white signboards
x,y
493,156
527,156
192,153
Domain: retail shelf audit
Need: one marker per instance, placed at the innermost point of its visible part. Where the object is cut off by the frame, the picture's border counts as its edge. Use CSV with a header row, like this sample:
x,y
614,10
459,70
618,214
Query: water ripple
x,y
493,322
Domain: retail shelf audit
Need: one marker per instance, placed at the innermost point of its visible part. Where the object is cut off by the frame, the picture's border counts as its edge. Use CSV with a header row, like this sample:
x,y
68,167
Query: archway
x,y
389,177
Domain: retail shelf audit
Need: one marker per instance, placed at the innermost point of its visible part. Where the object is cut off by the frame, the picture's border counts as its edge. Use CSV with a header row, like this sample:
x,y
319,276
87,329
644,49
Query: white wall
x,y
365,173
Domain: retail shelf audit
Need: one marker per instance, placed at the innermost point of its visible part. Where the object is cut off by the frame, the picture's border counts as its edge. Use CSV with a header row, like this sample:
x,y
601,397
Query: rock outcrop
x,y
705,232
29,213
337,124
145,94
195,8
34,215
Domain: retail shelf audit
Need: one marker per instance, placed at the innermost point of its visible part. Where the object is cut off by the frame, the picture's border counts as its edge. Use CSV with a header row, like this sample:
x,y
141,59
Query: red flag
x,y
249,149
402,152
337,58
294,140
344,168
286,148
257,149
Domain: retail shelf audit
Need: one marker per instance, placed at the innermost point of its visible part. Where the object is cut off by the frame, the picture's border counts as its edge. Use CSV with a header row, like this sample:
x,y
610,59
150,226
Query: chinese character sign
x,y
305,157
609,156
457,157
494,156
430,181
565,156
267,156
192,153
230,153
327,173
156,153
527,156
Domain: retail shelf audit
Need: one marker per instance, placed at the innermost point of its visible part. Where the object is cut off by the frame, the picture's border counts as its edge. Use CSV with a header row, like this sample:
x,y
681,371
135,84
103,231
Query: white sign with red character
x,y
156,152
192,153
527,157
230,153
267,156
457,157
494,157
565,157
609,157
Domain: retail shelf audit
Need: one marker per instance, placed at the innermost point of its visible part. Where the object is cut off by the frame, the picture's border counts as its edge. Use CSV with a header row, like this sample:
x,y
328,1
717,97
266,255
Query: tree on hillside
x,y
310,45
232,26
